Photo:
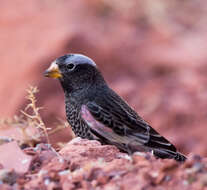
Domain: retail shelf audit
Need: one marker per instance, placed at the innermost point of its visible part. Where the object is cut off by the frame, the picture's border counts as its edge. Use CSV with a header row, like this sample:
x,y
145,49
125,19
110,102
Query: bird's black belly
x,y
79,127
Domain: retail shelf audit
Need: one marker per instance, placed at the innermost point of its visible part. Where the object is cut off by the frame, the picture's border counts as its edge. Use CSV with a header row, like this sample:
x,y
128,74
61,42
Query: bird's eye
x,y
70,66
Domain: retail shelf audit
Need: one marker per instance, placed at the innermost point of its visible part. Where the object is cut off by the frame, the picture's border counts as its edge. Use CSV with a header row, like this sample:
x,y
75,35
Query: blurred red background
x,y
153,53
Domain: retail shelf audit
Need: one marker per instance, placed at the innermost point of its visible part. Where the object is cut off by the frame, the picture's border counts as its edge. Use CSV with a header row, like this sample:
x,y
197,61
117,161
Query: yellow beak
x,y
53,71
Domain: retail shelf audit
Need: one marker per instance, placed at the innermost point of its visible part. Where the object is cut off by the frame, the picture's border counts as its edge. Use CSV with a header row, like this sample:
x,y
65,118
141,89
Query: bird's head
x,y
75,71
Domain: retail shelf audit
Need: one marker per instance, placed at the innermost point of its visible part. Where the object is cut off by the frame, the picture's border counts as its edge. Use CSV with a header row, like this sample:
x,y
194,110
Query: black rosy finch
x,y
95,111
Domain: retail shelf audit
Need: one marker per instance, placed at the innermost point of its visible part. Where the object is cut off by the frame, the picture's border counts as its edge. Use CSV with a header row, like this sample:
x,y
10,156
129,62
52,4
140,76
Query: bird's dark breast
x,y
79,127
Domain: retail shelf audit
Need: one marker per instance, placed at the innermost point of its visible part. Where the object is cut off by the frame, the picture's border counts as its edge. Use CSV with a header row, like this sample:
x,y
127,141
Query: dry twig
x,y
35,117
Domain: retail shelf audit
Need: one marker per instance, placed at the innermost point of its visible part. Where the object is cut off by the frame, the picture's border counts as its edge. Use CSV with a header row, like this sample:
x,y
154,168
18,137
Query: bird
x,y
96,112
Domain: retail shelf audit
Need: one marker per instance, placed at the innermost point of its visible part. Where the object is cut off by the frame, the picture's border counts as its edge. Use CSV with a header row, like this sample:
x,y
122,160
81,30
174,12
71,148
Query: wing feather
x,y
123,129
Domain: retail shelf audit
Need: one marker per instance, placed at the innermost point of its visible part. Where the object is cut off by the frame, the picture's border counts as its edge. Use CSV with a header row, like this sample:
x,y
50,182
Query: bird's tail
x,y
164,153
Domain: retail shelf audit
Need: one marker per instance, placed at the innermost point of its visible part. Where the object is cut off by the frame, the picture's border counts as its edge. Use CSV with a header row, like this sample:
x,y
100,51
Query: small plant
x,y
34,117
31,124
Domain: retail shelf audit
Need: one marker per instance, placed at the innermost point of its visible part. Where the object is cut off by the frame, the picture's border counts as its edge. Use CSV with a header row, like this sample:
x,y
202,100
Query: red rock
x,y
83,150
18,134
5,187
8,176
42,154
108,171
15,158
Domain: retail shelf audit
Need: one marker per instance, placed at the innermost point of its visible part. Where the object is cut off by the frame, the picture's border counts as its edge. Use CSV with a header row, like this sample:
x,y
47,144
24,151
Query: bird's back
x,y
129,132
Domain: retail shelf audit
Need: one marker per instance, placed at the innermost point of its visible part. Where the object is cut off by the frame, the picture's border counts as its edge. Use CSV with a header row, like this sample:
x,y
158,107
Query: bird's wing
x,y
122,127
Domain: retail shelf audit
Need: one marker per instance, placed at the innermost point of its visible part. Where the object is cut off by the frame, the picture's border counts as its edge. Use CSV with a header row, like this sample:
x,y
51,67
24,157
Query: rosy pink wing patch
x,y
92,122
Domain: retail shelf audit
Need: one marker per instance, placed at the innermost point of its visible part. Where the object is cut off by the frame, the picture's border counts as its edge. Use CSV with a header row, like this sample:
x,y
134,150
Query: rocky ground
x,y
152,54
84,164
